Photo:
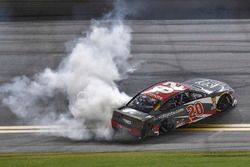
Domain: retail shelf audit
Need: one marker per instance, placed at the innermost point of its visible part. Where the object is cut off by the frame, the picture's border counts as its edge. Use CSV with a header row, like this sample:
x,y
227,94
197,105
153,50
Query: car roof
x,y
165,90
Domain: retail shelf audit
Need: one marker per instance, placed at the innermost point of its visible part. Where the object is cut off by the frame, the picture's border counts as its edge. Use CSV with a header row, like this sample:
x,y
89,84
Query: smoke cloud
x,y
86,78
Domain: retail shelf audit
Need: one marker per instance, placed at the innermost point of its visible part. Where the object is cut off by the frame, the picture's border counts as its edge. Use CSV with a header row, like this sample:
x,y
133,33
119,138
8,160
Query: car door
x,y
199,106
173,111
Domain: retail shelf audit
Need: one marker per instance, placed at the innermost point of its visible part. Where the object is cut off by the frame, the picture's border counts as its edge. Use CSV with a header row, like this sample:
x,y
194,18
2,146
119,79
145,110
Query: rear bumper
x,y
132,131
153,130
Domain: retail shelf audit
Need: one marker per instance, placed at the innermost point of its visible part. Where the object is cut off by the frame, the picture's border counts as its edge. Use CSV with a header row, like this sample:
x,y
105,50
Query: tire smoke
x,y
86,77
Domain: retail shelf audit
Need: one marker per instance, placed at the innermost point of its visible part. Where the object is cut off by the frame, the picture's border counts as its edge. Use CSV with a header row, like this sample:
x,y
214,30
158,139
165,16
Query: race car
x,y
169,105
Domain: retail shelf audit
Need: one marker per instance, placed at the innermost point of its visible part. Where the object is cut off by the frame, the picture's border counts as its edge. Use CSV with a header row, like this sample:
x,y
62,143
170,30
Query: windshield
x,y
144,103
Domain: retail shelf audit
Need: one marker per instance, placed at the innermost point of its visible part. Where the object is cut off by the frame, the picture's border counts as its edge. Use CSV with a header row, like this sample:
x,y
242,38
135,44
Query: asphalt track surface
x,y
173,50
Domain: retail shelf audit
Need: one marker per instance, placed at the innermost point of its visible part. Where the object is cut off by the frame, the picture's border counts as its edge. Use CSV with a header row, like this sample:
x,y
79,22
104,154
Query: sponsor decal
x,y
167,115
180,123
154,96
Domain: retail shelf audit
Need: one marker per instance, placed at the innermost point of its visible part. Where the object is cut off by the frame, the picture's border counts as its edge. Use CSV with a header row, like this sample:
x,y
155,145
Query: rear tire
x,y
224,103
166,127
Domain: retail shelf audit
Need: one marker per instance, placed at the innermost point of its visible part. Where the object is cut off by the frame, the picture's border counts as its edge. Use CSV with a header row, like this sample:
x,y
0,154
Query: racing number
x,y
195,110
174,86
162,89
167,87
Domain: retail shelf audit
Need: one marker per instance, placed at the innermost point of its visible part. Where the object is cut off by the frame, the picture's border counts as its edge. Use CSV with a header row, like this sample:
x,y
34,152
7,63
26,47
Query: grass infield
x,y
166,159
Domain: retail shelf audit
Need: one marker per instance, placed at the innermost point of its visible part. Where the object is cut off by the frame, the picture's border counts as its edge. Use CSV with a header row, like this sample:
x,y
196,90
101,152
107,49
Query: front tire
x,y
224,103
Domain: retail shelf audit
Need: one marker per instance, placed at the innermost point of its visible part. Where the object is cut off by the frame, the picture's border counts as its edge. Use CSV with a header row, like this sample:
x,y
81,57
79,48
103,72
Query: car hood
x,y
208,86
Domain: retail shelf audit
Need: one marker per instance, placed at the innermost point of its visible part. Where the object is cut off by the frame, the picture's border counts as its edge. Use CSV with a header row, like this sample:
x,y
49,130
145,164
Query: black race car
x,y
169,105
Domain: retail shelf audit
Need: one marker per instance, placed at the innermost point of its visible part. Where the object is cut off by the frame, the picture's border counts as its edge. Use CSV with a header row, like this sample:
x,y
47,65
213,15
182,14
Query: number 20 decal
x,y
195,110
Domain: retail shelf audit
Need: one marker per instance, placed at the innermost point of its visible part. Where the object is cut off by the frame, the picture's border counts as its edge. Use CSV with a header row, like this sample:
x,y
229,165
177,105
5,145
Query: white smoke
x,y
87,78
